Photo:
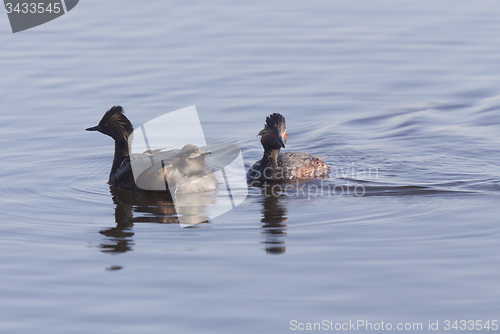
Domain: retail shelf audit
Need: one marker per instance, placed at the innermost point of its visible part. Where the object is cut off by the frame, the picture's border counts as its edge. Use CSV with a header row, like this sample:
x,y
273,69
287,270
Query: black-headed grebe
x,y
117,126
285,166
185,168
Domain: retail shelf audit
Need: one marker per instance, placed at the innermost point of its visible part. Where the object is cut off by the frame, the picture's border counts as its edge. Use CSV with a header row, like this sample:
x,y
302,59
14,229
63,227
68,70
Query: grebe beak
x,y
94,128
281,143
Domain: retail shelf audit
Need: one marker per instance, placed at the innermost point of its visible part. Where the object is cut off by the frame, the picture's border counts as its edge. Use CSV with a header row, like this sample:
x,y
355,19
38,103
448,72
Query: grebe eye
x,y
272,135
106,125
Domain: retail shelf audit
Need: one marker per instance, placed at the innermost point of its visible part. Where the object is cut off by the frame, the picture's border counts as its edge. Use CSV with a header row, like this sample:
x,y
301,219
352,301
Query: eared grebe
x,y
185,168
285,166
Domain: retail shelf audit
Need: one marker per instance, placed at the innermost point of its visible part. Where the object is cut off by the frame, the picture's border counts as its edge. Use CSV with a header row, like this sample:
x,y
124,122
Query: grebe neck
x,y
121,152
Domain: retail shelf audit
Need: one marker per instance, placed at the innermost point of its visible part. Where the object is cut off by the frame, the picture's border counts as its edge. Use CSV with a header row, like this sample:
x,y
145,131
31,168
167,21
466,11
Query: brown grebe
x,y
184,168
276,166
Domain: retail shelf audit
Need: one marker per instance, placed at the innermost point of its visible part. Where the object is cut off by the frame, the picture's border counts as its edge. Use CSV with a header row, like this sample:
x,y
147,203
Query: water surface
x,y
401,100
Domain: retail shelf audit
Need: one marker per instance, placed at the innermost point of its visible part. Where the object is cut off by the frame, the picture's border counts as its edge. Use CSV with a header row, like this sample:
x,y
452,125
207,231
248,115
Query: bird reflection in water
x,y
273,219
147,207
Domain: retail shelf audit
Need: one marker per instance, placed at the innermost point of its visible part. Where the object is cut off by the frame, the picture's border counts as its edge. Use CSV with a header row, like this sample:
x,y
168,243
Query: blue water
x,y
407,91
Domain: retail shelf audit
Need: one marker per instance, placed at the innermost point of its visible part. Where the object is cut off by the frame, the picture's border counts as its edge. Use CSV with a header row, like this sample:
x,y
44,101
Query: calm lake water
x,y
402,100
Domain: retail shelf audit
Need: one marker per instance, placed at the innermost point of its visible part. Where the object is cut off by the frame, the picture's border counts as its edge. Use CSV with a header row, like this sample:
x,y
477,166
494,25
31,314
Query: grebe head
x,y
114,124
274,136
